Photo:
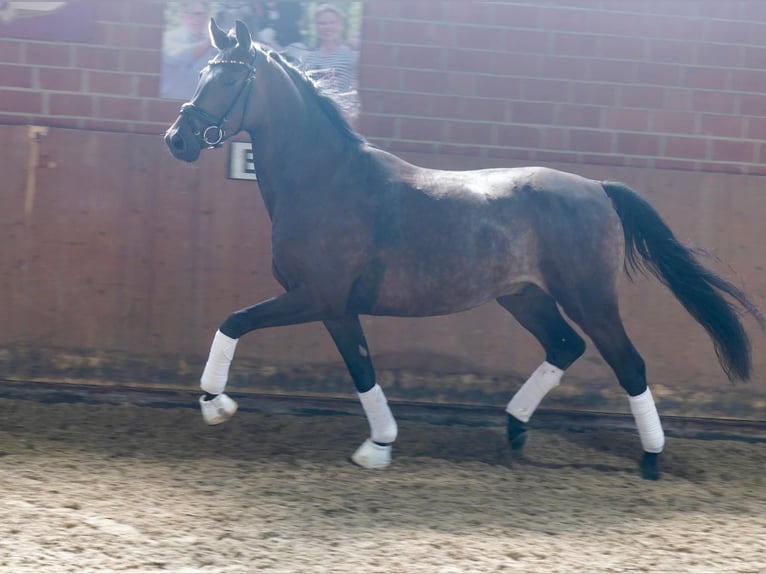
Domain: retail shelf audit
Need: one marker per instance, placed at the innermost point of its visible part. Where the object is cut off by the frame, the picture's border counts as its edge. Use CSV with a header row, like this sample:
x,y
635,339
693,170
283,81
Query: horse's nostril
x,y
178,141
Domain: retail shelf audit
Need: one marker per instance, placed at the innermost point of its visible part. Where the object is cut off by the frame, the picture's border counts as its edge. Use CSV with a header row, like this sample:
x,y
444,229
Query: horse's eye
x,y
228,81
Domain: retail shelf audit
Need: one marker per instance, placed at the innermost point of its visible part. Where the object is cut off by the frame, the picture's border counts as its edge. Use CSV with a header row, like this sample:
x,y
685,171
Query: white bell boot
x,y
218,409
372,455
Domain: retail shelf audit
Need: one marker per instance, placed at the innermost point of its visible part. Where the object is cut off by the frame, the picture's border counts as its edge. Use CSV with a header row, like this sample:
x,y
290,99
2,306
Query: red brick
x,y
635,96
722,126
555,138
140,61
749,80
633,120
727,31
591,140
421,129
97,58
473,12
461,84
675,122
480,38
427,57
541,89
398,32
511,153
485,110
114,34
624,47
659,74
377,125
713,102
593,93
46,54
511,135
112,10
469,132
497,87
20,101
756,128
577,115
680,164
516,64
618,71
403,147
685,147
755,57
544,155
706,78
638,144
110,83
381,78
720,55
675,52
372,31
576,45
564,68
601,159
517,15
752,104
16,76
425,81
678,99
120,108
445,106
60,79
565,18
146,12
164,111
532,113
461,60
71,104
528,41
376,53
403,103
733,150
10,51
147,37
422,10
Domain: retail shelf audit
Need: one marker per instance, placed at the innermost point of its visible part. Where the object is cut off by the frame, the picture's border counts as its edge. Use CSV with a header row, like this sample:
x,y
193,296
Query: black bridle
x,y
214,134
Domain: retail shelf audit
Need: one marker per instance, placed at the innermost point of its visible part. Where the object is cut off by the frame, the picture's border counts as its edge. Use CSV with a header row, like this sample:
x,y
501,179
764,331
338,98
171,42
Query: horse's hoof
x,y
517,433
372,455
650,469
218,409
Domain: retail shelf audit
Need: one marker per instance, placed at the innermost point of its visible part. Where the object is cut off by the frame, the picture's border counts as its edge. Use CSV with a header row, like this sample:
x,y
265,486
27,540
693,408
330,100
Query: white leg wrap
x,y
216,371
524,403
648,421
383,427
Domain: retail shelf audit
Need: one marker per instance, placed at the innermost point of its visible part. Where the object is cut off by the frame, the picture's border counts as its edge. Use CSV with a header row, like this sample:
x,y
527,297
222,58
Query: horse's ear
x,y
218,37
243,35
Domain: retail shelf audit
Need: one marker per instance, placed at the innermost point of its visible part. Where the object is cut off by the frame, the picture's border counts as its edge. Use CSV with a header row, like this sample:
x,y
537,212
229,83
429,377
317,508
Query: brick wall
x,y
648,83
110,83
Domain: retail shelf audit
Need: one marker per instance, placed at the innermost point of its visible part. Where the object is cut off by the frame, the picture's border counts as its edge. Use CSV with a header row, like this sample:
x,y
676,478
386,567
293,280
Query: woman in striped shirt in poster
x,y
334,64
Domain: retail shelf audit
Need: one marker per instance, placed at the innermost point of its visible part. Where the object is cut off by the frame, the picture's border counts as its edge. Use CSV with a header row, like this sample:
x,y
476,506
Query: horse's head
x,y
219,106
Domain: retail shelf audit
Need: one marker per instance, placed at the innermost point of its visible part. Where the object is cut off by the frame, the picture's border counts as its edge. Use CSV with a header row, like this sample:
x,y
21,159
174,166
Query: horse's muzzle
x,y
182,143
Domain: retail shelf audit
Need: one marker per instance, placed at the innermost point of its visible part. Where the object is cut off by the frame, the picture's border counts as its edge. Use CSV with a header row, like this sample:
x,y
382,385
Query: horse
x,y
359,231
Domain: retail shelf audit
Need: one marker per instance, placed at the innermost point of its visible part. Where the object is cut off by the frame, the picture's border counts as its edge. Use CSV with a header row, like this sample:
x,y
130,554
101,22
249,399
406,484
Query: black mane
x,y
310,90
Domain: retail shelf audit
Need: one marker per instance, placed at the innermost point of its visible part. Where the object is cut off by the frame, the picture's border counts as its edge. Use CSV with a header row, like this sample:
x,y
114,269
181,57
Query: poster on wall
x,y
62,21
320,38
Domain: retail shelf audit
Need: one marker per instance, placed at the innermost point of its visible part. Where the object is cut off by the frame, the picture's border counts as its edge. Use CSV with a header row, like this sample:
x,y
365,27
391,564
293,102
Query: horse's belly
x,y
428,294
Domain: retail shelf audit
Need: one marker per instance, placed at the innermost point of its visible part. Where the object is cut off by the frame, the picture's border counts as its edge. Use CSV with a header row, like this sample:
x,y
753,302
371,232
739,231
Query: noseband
x,y
214,134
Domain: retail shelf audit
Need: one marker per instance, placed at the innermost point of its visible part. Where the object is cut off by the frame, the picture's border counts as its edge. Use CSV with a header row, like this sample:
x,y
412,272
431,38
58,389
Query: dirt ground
x,y
103,488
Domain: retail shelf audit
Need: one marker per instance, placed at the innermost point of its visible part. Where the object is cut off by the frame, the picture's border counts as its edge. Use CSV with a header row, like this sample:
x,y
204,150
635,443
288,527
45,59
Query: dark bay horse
x,y
356,230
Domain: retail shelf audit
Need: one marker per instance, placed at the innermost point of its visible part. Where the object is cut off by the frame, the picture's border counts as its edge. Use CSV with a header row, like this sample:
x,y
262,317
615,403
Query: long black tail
x,y
650,245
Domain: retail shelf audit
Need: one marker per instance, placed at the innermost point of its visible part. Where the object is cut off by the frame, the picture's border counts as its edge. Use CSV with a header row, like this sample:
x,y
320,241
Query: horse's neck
x,y
292,163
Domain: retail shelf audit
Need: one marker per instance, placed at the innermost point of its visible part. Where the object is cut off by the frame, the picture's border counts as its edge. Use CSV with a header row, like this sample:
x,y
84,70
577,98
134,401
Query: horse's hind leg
x,y
375,452
600,319
537,312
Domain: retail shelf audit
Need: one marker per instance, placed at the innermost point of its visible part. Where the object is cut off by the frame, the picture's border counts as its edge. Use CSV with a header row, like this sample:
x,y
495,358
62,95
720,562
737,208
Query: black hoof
x,y
650,469
517,433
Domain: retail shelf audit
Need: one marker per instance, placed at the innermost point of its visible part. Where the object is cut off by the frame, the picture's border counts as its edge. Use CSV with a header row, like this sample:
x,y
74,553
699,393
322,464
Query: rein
x,y
214,134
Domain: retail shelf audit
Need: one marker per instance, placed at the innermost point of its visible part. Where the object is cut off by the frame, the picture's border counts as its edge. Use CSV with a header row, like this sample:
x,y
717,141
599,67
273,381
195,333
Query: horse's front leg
x,y
291,308
375,452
